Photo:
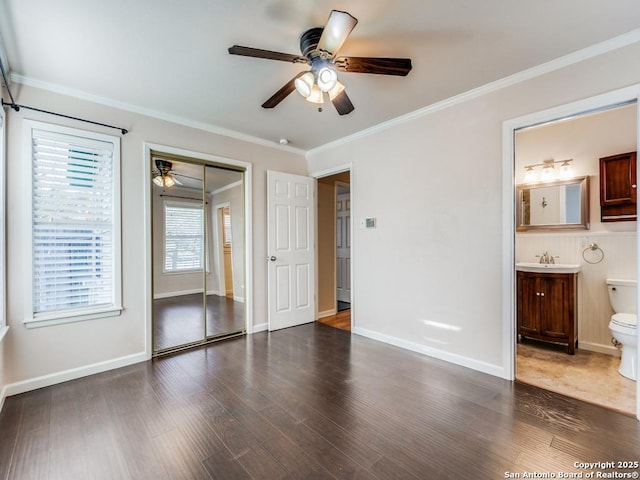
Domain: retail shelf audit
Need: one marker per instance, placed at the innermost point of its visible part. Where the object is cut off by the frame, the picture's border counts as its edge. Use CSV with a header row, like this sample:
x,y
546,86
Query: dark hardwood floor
x,y
309,402
180,320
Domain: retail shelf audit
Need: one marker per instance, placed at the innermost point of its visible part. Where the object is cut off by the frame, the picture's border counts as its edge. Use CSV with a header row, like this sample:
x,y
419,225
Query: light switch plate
x,y
368,223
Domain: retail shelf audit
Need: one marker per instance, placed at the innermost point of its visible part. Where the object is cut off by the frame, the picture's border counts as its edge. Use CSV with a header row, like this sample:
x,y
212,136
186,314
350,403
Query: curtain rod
x,y
186,198
15,106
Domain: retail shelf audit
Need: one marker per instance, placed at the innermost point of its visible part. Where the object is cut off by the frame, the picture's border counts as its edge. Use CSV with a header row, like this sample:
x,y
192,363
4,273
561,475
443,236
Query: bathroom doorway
x,y
604,250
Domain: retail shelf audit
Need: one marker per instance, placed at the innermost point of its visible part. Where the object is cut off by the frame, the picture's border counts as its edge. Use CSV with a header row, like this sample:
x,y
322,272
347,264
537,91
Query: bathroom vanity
x,y
547,304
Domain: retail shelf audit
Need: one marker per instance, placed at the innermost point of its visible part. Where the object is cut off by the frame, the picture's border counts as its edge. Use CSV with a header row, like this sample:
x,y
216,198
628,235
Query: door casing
x,y
248,238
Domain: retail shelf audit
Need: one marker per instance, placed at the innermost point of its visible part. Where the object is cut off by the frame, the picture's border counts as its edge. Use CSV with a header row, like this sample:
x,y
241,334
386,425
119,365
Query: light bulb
x,y
304,84
547,172
565,170
530,175
316,95
326,78
169,181
336,90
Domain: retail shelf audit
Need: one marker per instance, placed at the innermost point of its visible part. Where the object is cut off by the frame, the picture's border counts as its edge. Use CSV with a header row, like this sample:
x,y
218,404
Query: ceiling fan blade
x,y
267,54
283,93
335,32
379,65
342,103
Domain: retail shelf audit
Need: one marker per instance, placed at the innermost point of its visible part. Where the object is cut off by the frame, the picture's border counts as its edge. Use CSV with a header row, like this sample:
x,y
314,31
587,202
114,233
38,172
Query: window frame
x,y
74,314
195,205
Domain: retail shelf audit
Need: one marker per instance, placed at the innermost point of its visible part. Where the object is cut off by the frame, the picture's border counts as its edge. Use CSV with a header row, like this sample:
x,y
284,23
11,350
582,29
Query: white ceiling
x,y
169,57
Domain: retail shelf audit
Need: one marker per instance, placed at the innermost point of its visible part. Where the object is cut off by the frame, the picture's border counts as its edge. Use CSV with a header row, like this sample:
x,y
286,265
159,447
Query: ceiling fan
x,y
162,174
319,47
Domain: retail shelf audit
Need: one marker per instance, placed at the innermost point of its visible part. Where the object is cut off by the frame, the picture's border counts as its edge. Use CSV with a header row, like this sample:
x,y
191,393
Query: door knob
x,y
272,258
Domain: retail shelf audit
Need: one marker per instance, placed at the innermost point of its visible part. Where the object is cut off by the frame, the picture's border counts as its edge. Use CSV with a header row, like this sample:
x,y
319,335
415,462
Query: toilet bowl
x,y
623,323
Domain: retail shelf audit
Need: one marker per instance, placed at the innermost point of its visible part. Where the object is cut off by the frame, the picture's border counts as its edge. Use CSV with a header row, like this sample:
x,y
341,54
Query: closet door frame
x,y
205,159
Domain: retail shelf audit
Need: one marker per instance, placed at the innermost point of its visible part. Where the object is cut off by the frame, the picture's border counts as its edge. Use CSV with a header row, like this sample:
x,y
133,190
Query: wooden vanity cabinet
x,y
547,307
618,189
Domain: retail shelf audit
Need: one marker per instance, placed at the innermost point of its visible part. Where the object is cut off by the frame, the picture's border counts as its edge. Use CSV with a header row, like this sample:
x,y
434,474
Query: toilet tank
x,y
622,295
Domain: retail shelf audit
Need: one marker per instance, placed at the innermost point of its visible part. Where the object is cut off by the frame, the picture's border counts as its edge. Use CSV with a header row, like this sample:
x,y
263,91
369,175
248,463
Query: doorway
x,y
583,132
198,251
334,250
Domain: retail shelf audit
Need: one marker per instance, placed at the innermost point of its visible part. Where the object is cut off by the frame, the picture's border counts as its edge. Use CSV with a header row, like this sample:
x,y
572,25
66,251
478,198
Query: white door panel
x,y
343,247
290,246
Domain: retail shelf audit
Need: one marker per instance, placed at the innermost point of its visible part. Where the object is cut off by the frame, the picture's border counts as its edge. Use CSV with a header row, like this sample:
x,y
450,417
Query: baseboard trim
x,y
72,374
599,348
328,313
454,358
261,327
184,292
3,395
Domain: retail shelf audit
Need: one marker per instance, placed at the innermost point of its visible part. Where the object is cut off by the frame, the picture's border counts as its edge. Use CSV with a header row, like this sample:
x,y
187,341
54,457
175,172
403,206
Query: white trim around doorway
x,y
509,127
326,173
248,239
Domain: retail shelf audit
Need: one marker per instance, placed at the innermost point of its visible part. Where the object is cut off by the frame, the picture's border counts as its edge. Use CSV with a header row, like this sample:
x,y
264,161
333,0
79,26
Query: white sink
x,y
547,267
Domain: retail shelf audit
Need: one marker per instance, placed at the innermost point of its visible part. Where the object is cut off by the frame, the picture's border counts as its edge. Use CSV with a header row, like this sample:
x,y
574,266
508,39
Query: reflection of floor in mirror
x,y
589,376
179,320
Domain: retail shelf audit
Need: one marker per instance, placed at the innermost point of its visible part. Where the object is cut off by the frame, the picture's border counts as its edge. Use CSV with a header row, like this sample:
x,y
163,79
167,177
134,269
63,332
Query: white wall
x,y
430,276
235,198
585,139
34,357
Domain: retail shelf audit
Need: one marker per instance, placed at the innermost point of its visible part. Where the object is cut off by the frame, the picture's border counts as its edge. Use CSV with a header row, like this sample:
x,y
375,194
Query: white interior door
x,y
343,247
290,249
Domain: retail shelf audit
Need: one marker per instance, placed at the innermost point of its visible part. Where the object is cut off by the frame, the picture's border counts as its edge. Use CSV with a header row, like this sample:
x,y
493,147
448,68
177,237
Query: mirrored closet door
x,y
198,253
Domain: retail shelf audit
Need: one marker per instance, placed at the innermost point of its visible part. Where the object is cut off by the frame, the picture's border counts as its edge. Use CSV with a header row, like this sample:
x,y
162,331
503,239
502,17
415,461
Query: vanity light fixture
x,y
565,170
548,171
530,174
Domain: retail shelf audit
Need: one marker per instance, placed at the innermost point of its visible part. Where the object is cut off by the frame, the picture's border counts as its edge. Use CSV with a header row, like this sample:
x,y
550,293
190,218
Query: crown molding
x,y
601,48
129,107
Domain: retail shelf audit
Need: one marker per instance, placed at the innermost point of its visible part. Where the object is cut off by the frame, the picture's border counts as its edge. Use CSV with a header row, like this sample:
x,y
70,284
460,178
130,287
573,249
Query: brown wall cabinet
x,y
618,189
547,306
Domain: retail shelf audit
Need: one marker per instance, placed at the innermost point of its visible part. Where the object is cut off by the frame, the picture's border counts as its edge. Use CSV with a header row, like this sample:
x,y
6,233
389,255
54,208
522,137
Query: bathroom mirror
x,y
557,205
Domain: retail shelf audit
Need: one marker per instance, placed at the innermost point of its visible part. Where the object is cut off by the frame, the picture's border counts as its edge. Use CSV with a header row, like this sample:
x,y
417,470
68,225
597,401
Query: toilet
x,y
623,324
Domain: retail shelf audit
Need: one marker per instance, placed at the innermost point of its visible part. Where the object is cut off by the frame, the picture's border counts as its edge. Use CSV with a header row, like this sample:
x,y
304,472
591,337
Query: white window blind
x,y
75,223
226,219
183,237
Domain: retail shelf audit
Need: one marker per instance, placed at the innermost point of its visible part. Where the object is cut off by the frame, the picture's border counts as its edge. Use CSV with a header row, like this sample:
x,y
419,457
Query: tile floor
x,y
589,376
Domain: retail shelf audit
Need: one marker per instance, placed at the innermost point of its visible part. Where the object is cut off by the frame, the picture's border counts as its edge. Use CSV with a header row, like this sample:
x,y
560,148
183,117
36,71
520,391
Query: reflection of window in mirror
x,y
183,237
226,226
554,205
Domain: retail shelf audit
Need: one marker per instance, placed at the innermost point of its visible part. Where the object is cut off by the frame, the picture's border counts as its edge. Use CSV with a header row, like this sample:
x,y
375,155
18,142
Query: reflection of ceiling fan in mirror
x,y
319,47
162,175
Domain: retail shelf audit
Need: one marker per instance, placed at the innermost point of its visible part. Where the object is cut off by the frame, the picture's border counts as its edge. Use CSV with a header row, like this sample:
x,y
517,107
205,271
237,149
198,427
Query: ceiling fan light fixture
x,y
336,90
157,179
316,95
169,181
304,84
326,78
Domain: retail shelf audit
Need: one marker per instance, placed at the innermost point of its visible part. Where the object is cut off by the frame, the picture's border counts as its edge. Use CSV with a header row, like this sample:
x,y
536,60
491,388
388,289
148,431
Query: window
x,y
226,227
183,237
75,227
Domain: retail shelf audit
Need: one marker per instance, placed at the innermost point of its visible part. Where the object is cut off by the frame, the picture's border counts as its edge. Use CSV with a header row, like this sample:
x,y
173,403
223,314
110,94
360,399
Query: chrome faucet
x,y
545,258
